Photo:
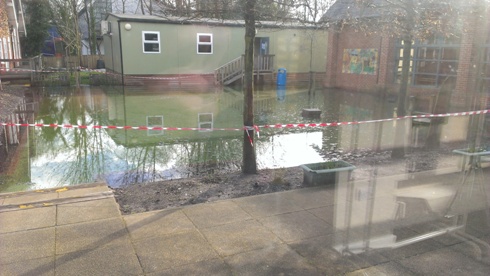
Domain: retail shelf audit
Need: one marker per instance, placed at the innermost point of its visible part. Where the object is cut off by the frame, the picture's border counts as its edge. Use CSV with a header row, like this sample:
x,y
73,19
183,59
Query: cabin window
x,y
204,43
151,42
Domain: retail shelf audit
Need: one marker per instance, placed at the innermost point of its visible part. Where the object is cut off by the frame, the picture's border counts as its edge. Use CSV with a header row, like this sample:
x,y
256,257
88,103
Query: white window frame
x,y
151,41
205,122
150,122
198,43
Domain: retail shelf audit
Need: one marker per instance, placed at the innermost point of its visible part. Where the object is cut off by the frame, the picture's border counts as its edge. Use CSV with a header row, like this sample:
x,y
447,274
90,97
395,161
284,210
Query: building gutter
x,y
121,50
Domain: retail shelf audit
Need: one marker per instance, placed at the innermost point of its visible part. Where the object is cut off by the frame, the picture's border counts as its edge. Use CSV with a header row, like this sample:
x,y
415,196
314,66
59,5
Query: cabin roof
x,y
206,21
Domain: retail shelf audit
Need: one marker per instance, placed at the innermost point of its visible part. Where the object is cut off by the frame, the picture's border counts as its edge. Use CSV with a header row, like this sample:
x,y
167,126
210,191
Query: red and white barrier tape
x,y
114,127
256,128
376,121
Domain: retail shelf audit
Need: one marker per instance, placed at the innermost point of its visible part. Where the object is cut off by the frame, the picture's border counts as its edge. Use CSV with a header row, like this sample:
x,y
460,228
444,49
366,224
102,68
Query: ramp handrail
x,y
234,69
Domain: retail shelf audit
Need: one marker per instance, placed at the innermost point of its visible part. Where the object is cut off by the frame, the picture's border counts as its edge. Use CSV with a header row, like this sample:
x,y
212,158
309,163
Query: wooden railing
x,y
229,72
86,61
233,70
264,63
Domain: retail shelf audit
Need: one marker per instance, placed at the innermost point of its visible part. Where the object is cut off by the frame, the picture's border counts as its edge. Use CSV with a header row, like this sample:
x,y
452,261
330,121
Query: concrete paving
x,y
80,231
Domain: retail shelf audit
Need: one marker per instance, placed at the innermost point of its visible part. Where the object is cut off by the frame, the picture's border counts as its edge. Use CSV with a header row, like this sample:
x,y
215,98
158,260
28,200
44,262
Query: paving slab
x,y
83,190
296,226
412,249
160,253
90,235
215,267
113,259
24,198
31,267
156,223
214,214
325,213
87,211
28,218
267,205
319,252
386,269
309,198
27,245
286,233
445,262
238,237
272,260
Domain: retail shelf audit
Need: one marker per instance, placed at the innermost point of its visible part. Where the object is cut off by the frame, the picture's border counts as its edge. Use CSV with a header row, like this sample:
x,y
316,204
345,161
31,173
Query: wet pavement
x,y
313,231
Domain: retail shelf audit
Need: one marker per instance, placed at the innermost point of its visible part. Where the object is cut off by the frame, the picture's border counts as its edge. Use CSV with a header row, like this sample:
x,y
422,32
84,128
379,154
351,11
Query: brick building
x,y
370,61
12,28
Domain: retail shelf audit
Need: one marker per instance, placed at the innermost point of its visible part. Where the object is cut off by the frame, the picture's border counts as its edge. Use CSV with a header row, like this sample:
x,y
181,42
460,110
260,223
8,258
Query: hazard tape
x,y
255,127
115,127
301,125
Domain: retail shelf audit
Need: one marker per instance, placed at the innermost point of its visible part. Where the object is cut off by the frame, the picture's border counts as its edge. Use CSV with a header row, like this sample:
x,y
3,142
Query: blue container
x,y
281,76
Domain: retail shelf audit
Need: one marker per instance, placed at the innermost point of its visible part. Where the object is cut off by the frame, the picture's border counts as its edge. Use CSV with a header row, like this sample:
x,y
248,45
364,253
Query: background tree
x,y
310,12
65,17
38,16
249,159
89,13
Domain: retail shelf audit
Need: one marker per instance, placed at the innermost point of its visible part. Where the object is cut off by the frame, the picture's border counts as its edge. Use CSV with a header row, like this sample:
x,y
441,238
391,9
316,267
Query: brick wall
x,y
351,39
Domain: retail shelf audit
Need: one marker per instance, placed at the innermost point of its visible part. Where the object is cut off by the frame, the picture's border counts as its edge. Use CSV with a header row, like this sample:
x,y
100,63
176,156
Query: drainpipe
x,y
121,50
378,61
12,50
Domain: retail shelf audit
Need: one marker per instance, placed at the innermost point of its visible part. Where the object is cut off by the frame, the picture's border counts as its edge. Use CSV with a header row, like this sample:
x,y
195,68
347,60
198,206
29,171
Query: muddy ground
x,y
10,98
136,198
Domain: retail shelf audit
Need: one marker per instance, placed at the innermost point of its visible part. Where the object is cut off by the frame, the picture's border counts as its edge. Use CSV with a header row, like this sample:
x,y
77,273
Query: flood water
x,y
59,156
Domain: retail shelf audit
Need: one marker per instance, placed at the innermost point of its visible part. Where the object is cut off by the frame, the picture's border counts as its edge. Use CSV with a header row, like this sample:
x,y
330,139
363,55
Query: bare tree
x,y
249,158
88,7
65,17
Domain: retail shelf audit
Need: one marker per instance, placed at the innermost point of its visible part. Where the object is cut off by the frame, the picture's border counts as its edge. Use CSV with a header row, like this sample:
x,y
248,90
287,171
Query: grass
x,y
84,77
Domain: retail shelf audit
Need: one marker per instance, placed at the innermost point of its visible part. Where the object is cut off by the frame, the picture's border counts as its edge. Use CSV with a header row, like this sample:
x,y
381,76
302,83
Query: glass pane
x,y
446,81
205,49
448,68
152,47
151,36
450,54
431,53
425,80
205,38
423,66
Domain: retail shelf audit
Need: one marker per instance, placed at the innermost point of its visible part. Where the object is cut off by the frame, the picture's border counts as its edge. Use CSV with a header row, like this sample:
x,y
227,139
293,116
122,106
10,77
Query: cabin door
x,y
261,48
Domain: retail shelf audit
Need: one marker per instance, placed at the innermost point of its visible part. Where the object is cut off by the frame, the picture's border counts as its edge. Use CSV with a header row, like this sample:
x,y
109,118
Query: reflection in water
x,y
121,156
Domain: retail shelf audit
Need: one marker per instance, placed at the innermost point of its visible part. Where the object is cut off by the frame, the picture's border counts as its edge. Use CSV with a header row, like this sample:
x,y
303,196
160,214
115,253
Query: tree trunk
x,y
78,43
249,158
400,130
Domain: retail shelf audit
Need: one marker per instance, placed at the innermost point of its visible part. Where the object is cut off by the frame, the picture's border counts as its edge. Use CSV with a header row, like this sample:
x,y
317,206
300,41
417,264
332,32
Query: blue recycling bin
x,y
281,76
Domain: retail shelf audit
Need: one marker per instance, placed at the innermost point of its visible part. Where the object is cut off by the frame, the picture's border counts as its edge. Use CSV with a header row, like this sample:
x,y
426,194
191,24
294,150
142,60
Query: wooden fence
x,y
90,62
